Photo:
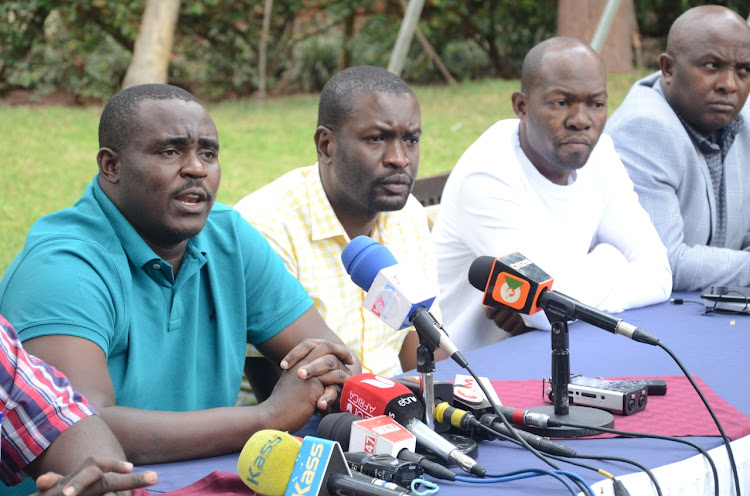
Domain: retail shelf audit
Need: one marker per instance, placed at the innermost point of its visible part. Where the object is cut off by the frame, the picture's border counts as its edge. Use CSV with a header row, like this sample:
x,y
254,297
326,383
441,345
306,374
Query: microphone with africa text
x,y
275,463
515,282
368,395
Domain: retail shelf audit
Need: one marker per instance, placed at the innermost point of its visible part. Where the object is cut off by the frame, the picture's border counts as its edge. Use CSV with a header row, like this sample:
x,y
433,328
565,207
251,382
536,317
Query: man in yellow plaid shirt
x,y
367,143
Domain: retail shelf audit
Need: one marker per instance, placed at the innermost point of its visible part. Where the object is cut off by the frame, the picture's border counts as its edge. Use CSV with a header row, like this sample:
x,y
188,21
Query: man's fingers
x,y
491,312
299,352
89,482
95,476
315,348
518,328
327,368
87,471
329,397
47,481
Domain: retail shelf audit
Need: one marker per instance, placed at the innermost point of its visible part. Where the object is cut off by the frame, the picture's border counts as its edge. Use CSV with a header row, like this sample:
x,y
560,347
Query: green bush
x,y
85,46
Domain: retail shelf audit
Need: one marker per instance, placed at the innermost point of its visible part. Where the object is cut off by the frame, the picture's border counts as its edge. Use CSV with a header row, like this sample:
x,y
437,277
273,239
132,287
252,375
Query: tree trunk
x,y
580,18
405,35
153,46
346,51
264,34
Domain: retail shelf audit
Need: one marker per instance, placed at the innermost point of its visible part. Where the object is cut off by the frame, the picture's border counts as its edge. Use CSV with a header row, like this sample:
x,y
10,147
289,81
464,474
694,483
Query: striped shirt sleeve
x,y
38,403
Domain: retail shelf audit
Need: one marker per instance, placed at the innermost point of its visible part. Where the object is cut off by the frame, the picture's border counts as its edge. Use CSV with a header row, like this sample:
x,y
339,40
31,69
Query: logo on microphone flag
x,y
369,444
381,435
316,460
511,290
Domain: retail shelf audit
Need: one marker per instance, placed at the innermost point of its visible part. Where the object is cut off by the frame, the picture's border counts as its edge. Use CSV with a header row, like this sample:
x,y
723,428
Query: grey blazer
x,y
673,184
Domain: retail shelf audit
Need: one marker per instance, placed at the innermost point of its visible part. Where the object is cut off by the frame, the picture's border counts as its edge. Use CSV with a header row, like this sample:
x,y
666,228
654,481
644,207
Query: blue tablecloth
x,y
712,346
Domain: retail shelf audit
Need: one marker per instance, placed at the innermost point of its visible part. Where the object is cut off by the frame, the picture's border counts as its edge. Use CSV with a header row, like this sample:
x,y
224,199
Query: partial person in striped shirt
x,y
367,144
49,429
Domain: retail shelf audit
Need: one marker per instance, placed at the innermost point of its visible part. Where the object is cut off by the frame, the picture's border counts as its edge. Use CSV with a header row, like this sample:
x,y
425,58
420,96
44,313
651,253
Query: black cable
x,y
619,488
592,457
514,440
664,438
729,311
727,443
680,301
644,468
512,429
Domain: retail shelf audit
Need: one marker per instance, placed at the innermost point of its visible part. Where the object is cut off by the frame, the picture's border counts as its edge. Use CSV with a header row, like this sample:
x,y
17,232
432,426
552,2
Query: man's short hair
x,y
338,95
117,122
532,63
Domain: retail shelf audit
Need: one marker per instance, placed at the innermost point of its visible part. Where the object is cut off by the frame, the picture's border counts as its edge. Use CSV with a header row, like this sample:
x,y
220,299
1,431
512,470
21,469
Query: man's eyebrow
x,y
567,94
183,140
209,143
390,130
174,141
599,94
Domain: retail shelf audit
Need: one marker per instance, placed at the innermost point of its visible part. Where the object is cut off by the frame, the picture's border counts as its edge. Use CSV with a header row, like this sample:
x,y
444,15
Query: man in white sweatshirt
x,y
551,186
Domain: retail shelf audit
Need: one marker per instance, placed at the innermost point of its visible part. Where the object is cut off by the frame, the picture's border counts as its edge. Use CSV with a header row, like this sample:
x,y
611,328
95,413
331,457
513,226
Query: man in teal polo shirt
x,y
145,293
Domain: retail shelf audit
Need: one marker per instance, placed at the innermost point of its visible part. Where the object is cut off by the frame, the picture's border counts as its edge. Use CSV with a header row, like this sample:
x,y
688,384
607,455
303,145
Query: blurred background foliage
x,y
85,46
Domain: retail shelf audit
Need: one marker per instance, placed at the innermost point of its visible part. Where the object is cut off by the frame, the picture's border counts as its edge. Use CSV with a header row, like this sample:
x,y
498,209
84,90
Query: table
x,y
713,347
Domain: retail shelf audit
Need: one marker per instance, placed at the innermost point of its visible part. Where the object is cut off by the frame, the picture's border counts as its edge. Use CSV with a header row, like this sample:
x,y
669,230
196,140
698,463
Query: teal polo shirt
x,y
172,343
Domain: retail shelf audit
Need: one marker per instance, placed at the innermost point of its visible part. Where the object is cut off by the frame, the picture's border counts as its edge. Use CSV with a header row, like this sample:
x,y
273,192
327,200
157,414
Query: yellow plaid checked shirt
x,y
294,215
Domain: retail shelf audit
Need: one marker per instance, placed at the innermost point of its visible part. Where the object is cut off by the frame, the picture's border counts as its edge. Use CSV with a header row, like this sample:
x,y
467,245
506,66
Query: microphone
x,y
514,281
274,463
478,405
394,294
338,427
466,421
382,435
266,461
369,395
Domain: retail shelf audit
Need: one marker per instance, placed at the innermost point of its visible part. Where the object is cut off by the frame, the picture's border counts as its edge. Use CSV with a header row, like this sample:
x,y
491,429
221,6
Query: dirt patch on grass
x,y
58,96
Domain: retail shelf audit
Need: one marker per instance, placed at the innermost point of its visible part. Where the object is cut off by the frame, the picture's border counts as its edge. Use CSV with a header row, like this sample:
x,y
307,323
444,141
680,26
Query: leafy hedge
x,y
85,46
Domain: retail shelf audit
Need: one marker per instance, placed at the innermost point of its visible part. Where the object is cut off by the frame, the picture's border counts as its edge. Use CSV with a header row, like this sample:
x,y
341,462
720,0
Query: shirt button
x,y
157,266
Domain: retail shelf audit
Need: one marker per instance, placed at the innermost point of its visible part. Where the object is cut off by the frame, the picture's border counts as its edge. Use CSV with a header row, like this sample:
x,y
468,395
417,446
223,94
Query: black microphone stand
x,y
425,367
559,379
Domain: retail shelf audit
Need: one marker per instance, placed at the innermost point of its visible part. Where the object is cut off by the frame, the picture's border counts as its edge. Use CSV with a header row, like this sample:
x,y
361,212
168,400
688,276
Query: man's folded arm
x,y
656,181
151,436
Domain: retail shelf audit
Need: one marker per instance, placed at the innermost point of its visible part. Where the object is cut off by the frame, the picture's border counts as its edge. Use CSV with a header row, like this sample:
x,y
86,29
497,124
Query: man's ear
x,y
324,144
109,165
666,63
519,103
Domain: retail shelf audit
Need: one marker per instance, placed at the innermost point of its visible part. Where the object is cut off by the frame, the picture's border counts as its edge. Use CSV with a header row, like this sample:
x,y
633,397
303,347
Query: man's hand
x,y
327,362
95,477
507,320
293,400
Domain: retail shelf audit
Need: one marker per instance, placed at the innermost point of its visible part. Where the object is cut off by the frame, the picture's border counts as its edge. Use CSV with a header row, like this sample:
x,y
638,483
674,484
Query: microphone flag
x,y
515,281
317,459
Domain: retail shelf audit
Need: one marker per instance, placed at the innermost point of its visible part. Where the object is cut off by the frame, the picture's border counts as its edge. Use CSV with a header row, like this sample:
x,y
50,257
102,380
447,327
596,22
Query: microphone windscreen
x,y
479,272
363,258
337,427
266,462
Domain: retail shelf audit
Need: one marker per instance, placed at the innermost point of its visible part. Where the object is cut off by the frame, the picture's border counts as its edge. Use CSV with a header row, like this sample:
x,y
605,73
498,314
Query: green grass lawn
x,y
50,151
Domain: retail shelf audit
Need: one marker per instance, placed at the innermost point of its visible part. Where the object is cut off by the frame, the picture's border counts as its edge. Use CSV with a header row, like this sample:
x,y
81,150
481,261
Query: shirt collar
x,y
324,223
323,219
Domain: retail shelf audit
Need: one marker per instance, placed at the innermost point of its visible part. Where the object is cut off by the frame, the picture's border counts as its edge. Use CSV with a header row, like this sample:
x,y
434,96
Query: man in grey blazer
x,y
684,138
